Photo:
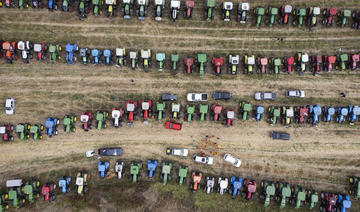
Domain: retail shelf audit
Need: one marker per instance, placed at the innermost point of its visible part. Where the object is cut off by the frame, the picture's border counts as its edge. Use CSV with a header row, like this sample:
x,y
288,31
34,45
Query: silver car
x,y
265,96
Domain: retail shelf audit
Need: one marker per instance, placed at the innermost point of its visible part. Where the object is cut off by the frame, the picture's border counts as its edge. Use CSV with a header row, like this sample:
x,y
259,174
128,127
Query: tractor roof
x,y
189,61
37,47
52,48
145,105
79,181
175,4
160,106
133,55
70,48
203,108
290,112
317,110
332,59
274,11
276,112
277,62
264,61
270,189
217,108
230,114
120,51
20,128
189,3
301,195
95,52
344,111
99,116
356,110
21,45
130,107
260,110
190,109
34,129
84,118
344,57
305,58
142,2
2,130
115,114
183,171
251,60
301,12
109,1
286,191
331,111
316,11
244,6
228,5
107,53
260,11
288,8
166,168
210,3
127,1
246,106
333,11
175,107
159,2
201,58
347,13
174,57
83,52
160,57
234,59
314,198
145,54
355,57
67,120
49,123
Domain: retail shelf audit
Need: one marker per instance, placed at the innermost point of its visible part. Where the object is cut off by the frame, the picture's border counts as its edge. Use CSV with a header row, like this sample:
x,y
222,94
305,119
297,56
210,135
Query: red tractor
x,y
48,191
86,120
354,59
229,115
249,189
189,62
196,180
301,113
328,202
146,109
288,64
6,132
328,63
40,49
9,51
189,6
285,13
131,113
262,63
316,62
329,16
217,62
216,112
9,3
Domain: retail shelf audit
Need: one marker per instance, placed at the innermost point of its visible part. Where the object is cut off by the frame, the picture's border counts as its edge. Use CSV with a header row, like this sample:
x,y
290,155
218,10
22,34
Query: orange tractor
x,y
9,51
196,180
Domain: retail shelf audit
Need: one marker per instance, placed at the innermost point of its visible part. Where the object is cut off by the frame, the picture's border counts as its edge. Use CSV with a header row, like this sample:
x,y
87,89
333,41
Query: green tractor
x,y
31,190
276,63
35,131
283,193
15,194
245,109
268,192
312,198
160,108
274,115
135,171
69,123
165,171
272,12
54,51
190,110
354,186
101,119
298,196
97,7
203,110
201,61
343,59
300,15
182,174
174,60
23,131
3,203
259,12
344,16
160,58
146,59
209,9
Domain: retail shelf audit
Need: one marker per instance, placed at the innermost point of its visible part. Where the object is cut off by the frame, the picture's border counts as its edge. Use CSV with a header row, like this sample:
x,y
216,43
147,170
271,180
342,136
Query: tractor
x,y
174,9
203,110
146,59
233,65
354,112
196,181
110,6
86,120
216,112
209,9
245,109
299,17
83,8
301,114
272,12
101,119
190,110
314,114
9,51
31,190
127,8
312,198
329,16
165,171
343,203
116,115
54,51
134,59
85,55
341,114
227,8
69,123
48,192
275,66
312,14
262,63
81,183
160,58
259,13
145,109
142,9
66,5
201,63
285,14
274,115
103,168
354,189
35,131
287,115
120,54
189,62
183,170
151,168
317,63
25,50
354,59
329,62
301,60
119,169
6,132
229,117
328,202
135,171
108,57
131,112
36,4
217,63
159,6
51,125
344,15
283,195
210,183
23,131
174,59
243,12
298,196
249,63
64,184
356,17
96,54
160,108
223,185
342,62
249,189
189,6
235,186
328,113
15,194
70,50
258,112
22,4
175,110
97,7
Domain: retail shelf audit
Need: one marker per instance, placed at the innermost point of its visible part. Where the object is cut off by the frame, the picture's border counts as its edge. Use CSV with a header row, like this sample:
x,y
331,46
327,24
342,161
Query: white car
x,y
197,97
204,160
10,106
177,152
295,93
90,154
232,160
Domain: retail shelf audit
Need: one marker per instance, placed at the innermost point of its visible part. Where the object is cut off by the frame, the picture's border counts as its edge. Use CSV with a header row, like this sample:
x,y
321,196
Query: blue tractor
x,y
103,168
343,203
342,113
315,112
70,49
328,113
64,184
95,53
236,184
354,111
151,167
52,5
259,112
107,56
51,125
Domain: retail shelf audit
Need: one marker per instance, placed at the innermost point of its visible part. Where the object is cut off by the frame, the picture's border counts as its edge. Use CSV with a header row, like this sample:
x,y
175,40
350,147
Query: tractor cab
x,y
174,58
230,115
85,119
210,183
245,109
151,167
328,113
95,53
158,7
288,63
201,61
189,6
64,184
175,9
259,112
243,12
227,9
119,169
203,110
342,114
5,131
233,63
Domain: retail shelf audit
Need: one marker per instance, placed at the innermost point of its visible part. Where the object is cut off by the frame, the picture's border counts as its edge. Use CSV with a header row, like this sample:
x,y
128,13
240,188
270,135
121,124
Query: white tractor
x,y
223,185
210,183
175,9
25,48
234,63
119,169
116,115
120,56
